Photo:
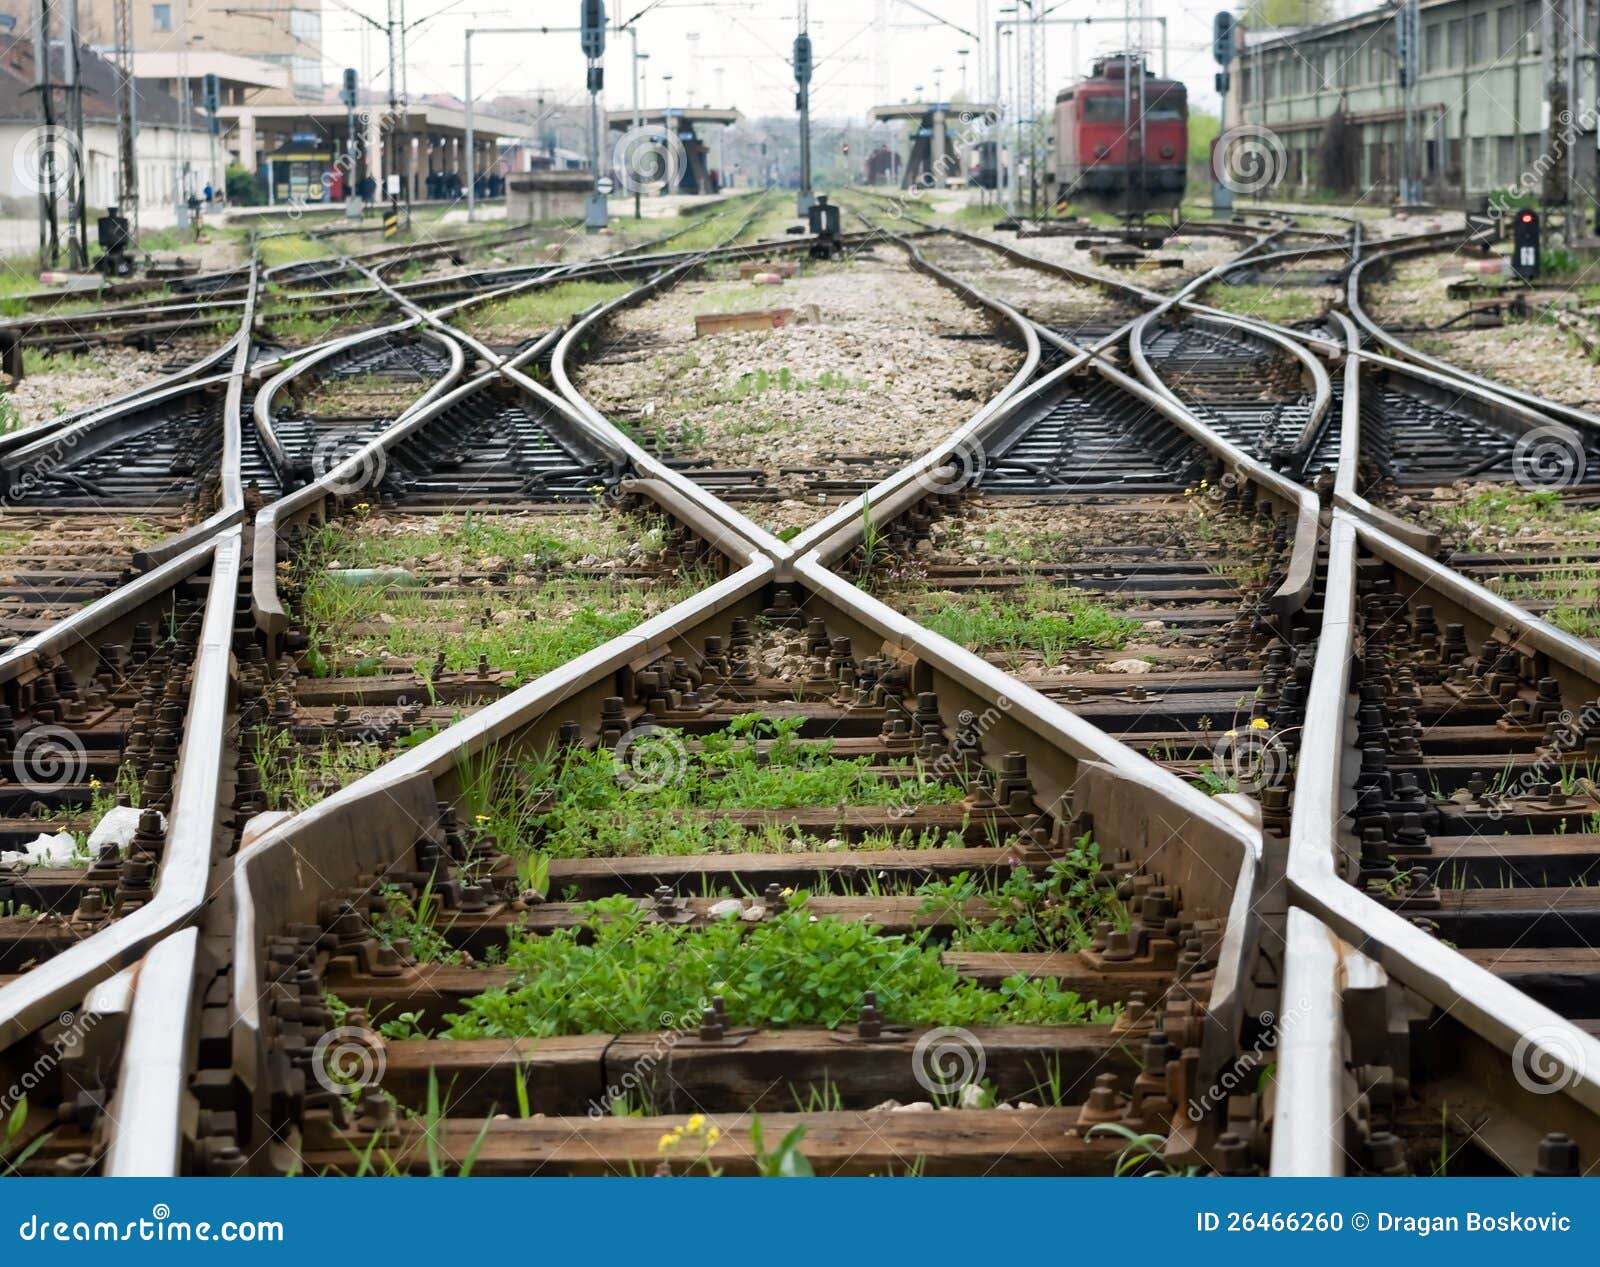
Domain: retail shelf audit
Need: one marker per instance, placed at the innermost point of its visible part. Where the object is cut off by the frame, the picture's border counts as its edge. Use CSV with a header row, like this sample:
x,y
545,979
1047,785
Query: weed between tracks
x,y
1039,623
621,972
1508,520
501,602
1284,305
522,316
574,805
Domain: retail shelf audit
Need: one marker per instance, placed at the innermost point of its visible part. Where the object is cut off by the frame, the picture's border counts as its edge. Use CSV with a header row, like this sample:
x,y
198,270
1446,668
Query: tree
x,y
1274,13
1203,129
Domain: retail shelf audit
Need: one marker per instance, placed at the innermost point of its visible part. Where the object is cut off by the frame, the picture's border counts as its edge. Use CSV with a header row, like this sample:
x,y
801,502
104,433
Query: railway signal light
x,y
802,59
1222,38
348,93
1525,244
593,29
211,99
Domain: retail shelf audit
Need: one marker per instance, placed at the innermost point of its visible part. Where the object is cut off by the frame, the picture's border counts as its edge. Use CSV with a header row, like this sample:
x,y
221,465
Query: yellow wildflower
x,y
695,1123
1258,723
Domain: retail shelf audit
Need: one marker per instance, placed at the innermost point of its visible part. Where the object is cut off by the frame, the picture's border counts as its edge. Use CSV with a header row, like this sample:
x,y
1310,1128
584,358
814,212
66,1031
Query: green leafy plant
x,y
786,1161
14,1154
618,971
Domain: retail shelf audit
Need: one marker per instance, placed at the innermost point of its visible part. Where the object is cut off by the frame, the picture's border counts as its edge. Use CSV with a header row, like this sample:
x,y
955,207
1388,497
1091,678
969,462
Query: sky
x,y
736,52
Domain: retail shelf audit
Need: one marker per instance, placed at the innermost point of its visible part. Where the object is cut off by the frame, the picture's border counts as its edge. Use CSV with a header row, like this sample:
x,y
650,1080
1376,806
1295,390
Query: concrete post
x,y
247,141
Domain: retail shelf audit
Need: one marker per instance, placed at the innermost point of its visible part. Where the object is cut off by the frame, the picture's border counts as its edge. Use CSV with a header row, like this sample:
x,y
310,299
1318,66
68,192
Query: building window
x,y
1330,68
161,18
1478,163
1455,44
1532,20
1478,39
1505,161
1269,82
1507,33
1432,46
306,27
1244,85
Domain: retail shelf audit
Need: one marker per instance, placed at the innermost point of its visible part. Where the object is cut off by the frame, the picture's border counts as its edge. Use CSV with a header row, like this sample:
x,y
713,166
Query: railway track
x,y
1110,769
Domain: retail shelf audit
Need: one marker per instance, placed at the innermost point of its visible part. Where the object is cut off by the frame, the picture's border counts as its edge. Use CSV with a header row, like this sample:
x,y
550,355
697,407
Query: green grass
x,y
295,777
1511,510
542,541
1283,305
291,248
621,973
595,804
1038,620
551,618
542,309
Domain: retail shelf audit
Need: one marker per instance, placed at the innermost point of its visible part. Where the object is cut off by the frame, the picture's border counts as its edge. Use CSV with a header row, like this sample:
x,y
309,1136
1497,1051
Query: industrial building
x,y
1489,75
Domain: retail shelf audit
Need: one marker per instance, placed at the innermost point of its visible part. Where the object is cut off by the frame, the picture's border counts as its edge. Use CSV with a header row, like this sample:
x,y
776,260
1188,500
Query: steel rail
x,y
183,880
1308,1131
1550,409
891,496
1297,454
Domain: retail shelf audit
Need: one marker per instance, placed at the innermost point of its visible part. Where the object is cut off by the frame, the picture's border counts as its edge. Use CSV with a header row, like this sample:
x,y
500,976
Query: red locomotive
x,y
1122,138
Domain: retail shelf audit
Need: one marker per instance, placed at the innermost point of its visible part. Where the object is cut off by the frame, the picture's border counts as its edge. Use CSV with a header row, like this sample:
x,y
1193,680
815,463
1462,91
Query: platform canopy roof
x,y
919,109
622,119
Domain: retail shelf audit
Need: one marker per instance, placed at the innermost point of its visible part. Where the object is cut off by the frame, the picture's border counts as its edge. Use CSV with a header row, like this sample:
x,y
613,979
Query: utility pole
x,y
802,101
391,173
127,165
49,231
77,194
633,32
1408,28
593,40
405,118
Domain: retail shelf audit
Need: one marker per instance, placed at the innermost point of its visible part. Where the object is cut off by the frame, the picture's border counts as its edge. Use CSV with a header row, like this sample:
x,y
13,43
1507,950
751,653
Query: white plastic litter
x,y
118,827
45,851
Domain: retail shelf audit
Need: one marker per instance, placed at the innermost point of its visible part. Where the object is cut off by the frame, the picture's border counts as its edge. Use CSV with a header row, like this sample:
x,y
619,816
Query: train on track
x,y
1122,138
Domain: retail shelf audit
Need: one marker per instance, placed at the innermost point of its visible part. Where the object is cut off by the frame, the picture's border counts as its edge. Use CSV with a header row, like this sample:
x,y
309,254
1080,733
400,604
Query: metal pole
x,y
472,166
405,119
392,158
633,33
77,194
49,239
127,167
1017,94
1000,169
